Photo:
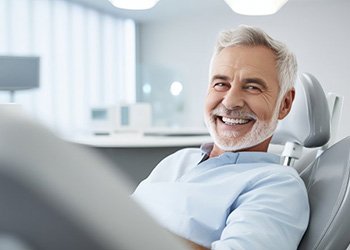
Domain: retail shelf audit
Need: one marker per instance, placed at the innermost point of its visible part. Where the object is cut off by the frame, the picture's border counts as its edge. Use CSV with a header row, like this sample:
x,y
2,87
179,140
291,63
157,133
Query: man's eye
x,y
220,86
253,88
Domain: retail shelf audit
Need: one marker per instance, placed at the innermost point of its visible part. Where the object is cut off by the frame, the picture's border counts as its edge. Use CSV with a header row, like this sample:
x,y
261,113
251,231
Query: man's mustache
x,y
238,112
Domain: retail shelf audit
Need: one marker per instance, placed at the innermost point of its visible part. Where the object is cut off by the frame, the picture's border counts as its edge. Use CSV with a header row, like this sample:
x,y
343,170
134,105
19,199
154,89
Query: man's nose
x,y
233,98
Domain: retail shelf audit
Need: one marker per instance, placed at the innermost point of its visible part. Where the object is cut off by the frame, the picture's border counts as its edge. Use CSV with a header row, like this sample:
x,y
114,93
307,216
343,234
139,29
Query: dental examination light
x,y
255,7
134,4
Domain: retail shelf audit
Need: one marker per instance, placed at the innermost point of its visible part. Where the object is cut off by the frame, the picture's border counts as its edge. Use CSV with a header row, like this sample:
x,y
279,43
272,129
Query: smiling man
x,y
242,107
233,194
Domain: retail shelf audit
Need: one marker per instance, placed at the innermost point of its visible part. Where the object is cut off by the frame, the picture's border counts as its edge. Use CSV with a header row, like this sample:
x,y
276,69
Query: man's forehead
x,y
257,58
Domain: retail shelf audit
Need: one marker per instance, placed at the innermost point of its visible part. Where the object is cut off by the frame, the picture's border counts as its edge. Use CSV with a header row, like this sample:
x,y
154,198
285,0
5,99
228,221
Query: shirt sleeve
x,y
271,214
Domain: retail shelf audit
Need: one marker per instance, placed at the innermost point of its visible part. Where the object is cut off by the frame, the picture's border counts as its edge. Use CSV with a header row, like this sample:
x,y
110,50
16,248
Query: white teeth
x,y
231,121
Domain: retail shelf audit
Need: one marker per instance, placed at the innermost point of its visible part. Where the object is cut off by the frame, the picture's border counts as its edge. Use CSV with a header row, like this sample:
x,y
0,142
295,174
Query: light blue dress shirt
x,y
243,200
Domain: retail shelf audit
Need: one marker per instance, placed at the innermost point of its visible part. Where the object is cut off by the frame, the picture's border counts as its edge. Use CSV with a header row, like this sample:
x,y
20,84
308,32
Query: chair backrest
x,y
327,181
308,123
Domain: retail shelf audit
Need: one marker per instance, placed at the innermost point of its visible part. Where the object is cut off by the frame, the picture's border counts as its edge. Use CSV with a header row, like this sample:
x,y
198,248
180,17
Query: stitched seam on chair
x,y
338,203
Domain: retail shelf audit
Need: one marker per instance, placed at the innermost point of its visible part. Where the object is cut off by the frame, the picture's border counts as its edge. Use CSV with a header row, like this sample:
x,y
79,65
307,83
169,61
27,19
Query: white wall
x,y
318,32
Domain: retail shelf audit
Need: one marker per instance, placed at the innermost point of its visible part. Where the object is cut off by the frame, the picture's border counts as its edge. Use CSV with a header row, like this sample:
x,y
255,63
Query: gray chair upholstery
x,y
327,176
327,182
308,122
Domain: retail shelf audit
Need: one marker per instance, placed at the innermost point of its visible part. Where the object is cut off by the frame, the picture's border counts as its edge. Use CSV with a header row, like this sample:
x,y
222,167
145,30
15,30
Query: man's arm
x,y
271,214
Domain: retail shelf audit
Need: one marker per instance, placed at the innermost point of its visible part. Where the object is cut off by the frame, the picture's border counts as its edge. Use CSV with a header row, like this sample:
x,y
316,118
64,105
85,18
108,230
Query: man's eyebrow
x,y
220,77
255,80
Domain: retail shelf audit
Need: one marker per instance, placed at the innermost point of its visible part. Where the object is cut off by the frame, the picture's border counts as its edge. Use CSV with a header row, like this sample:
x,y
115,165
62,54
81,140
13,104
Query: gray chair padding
x,y
327,182
308,122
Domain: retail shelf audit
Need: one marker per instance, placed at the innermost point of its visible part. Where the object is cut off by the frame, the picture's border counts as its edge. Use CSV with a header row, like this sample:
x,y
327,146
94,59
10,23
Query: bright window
x,y
87,58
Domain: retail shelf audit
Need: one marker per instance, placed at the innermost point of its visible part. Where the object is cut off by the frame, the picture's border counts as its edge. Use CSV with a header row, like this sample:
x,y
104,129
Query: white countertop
x,y
140,140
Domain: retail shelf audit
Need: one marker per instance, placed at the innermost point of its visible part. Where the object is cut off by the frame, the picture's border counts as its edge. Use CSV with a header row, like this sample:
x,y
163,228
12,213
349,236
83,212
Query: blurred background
x,y
93,54
86,66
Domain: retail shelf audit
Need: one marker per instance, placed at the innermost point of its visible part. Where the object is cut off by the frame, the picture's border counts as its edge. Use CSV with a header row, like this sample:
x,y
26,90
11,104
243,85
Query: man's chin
x,y
247,143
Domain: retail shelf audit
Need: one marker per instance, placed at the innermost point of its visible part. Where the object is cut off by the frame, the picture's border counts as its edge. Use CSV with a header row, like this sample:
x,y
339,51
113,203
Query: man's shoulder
x,y
256,167
276,169
279,169
176,164
278,174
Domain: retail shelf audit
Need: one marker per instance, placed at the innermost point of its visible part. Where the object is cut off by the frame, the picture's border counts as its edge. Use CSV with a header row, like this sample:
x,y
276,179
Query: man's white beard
x,y
230,141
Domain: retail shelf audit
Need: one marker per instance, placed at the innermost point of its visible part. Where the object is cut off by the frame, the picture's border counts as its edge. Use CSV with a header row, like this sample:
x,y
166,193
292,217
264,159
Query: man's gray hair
x,y
286,62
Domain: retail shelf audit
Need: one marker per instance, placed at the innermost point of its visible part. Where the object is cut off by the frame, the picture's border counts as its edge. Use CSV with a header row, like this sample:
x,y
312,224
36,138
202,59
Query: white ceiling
x,y
170,8
163,9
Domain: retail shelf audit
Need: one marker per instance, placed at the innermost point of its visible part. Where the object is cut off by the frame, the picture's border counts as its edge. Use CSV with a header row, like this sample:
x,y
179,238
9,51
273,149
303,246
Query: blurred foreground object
x,y
55,196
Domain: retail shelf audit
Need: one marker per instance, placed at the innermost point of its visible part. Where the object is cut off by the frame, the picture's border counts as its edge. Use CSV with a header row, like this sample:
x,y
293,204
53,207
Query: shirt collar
x,y
239,157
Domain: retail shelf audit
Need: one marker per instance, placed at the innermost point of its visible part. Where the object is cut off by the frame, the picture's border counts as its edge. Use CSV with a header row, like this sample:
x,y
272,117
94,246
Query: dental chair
x,y
325,169
58,196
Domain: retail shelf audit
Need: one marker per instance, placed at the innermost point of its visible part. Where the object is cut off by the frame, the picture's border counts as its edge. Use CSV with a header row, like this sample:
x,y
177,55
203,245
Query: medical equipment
x,y
132,117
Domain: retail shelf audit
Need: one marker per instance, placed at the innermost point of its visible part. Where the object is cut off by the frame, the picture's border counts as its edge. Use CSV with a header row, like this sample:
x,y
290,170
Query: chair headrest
x,y
308,122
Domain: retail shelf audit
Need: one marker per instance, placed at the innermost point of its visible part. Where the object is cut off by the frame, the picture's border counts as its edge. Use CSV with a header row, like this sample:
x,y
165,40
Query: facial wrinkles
x,y
268,91
225,69
247,70
267,96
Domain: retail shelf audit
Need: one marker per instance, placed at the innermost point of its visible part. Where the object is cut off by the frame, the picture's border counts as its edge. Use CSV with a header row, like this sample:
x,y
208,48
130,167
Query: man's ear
x,y
286,104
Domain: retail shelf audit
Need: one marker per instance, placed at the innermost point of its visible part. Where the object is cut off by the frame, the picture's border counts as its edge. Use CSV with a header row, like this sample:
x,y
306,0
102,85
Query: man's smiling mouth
x,y
234,121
